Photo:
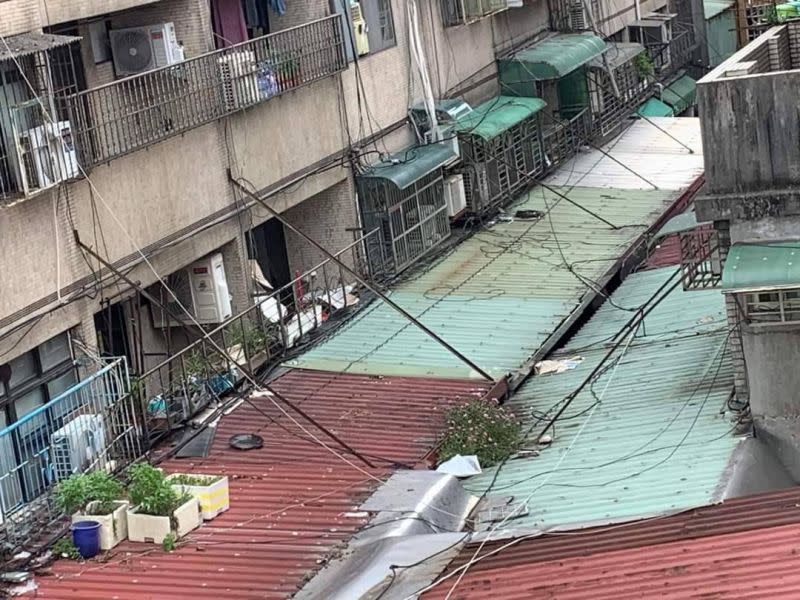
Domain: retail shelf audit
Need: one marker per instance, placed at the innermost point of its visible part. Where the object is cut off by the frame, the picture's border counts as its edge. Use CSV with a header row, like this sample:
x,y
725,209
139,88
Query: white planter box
x,y
153,529
113,527
213,498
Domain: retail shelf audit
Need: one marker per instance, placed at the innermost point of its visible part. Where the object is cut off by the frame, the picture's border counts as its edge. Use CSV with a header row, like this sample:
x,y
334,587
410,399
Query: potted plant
x,y
96,496
211,491
159,512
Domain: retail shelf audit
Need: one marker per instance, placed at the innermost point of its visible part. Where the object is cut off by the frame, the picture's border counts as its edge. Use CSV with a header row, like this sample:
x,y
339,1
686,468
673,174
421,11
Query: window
x,y
378,24
37,377
778,306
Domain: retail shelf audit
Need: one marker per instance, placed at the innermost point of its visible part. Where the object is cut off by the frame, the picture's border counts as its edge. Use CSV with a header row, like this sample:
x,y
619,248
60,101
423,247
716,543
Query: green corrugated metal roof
x,y
682,222
656,443
751,266
411,164
497,115
655,108
499,295
712,8
680,93
557,56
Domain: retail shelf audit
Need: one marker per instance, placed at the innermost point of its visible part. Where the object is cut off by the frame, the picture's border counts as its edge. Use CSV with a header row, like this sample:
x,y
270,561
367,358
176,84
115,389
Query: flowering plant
x,y
483,428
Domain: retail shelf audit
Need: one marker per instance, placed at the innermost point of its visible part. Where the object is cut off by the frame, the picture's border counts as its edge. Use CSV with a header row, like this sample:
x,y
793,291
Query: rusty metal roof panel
x,y
292,502
741,548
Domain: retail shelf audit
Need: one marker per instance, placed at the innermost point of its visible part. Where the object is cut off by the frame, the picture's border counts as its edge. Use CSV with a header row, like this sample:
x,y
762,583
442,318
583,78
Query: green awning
x,y
680,94
497,115
617,55
553,58
762,266
655,108
412,164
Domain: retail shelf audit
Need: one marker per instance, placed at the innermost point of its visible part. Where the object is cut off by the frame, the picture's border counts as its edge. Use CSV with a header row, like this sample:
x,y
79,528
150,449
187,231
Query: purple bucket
x,y
86,537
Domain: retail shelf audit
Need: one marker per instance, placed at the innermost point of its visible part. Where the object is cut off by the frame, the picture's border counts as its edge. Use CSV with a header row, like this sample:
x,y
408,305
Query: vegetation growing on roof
x,y
483,428
152,493
77,491
644,65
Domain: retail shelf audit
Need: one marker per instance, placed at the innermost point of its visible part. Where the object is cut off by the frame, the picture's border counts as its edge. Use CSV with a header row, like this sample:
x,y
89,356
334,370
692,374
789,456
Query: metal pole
x,y
248,374
366,284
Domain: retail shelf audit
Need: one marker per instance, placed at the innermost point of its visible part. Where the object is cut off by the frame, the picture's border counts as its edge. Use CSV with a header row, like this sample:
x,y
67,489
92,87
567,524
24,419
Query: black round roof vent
x,y
246,441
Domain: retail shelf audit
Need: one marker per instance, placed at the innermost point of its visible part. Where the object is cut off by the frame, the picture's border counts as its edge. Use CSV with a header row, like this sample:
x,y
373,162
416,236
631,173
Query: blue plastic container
x,y
86,537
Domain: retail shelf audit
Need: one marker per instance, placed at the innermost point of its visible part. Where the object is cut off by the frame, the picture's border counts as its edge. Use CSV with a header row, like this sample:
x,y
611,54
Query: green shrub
x,y
65,548
77,491
483,428
151,493
194,479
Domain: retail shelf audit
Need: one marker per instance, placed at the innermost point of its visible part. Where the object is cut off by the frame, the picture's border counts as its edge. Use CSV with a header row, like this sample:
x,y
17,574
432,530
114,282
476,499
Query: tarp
x,y
762,266
655,108
497,115
407,166
680,94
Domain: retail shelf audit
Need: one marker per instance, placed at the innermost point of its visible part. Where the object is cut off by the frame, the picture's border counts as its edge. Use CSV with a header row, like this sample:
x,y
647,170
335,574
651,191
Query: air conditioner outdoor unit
x,y
48,155
454,195
76,445
239,76
447,135
202,289
359,29
139,49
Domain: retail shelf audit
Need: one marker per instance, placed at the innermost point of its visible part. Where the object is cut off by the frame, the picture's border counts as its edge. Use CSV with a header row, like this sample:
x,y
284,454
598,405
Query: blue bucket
x,y
86,537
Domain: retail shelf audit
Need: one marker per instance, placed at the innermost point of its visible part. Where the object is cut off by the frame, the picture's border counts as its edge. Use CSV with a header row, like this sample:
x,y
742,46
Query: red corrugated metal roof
x,y
291,501
724,549
666,254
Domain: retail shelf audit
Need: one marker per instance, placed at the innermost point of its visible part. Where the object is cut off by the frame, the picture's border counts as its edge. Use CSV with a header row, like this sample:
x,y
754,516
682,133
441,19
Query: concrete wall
x,y
772,354
20,16
750,127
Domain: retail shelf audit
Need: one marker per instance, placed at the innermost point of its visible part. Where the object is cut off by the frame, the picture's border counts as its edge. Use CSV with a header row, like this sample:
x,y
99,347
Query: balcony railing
x,y
133,113
563,139
91,426
175,390
673,55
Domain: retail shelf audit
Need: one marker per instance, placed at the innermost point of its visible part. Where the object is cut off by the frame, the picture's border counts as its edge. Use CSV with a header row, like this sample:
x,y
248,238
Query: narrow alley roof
x,y
762,266
741,547
292,502
499,114
502,294
628,446
654,107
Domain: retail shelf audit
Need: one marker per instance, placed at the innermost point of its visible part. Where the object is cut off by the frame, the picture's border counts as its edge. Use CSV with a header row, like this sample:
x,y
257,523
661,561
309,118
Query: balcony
x,y
671,56
89,427
133,113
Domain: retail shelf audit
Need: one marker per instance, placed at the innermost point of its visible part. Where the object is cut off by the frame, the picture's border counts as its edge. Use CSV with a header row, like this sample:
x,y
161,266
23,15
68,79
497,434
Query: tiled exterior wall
x,y
326,218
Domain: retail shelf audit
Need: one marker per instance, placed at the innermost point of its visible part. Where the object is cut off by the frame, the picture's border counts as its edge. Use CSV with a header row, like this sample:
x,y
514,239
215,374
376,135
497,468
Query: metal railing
x,y
91,426
564,137
673,55
174,391
702,257
133,113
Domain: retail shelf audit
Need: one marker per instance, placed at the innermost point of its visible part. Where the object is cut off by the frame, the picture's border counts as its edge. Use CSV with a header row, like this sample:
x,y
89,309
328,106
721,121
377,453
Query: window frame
x,y
374,15
786,301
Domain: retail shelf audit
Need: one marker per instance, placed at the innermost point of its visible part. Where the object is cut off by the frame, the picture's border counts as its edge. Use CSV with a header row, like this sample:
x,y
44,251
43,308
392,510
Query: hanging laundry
x,y
278,6
255,14
229,25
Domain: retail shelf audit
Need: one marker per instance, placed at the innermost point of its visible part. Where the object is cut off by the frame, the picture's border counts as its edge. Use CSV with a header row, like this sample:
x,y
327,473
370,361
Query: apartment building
x,y
745,234
138,146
